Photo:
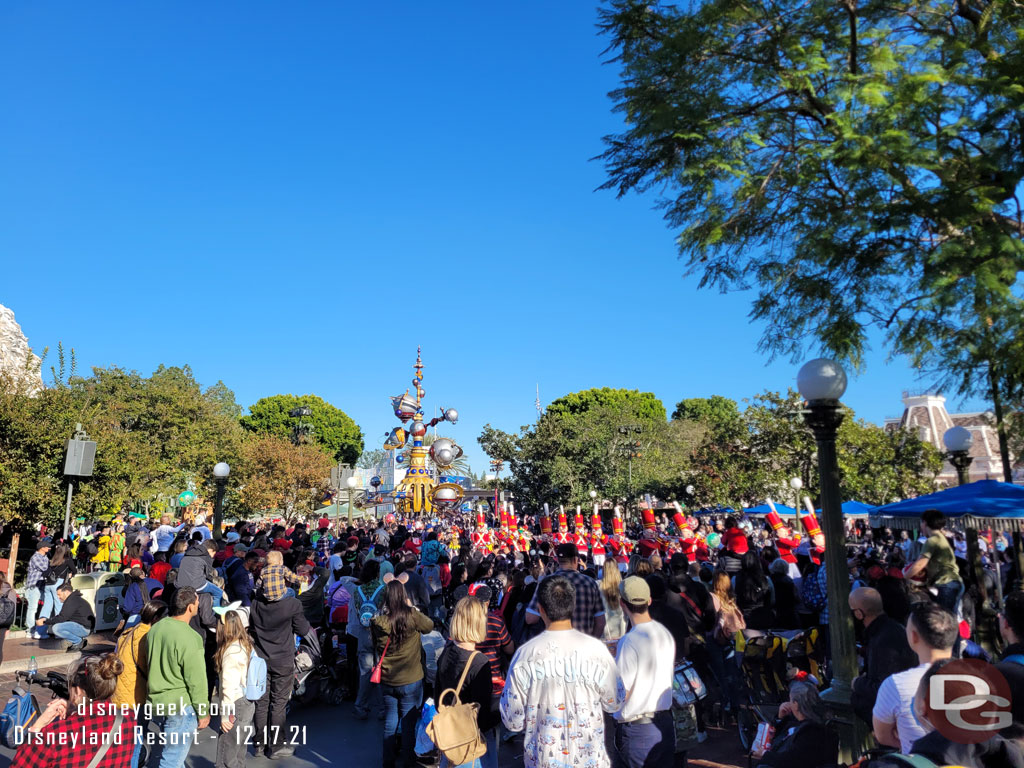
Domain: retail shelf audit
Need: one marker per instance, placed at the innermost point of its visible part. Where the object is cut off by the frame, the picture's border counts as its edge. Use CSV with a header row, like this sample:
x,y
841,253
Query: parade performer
x,y
815,538
481,539
785,541
687,541
619,546
597,539
562,536
579,537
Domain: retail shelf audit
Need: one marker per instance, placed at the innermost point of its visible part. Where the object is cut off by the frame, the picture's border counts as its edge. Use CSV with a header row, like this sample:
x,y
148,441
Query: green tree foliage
x,y
743,468
155,436
576,446
855,164
719,414
332,429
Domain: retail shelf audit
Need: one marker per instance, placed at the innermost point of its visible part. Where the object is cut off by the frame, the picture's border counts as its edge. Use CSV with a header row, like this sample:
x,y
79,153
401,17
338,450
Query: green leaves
x,y
330,427
856,172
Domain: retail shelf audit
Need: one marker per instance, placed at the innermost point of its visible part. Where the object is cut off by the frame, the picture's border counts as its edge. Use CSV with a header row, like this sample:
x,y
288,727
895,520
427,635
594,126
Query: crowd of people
x,y
571,642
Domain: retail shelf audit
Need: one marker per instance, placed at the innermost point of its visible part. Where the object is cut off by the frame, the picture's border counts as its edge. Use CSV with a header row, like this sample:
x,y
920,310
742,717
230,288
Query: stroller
x,y
320,669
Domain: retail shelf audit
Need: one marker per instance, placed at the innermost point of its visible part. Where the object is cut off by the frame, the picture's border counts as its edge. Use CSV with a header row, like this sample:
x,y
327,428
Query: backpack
x,y
368,608
20,712
7,610
454,728
432,575
256,677
88,548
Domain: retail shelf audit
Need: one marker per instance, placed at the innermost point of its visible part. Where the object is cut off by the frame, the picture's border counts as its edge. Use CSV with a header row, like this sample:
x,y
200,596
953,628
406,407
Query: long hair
x,y
138,576
231,631
722,588
610,580
396,607
60,554
751,584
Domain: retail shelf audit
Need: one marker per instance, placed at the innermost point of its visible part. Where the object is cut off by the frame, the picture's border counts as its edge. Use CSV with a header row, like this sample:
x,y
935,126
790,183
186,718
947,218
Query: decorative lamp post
x,y
821,383
352,481
958,444
593,495
220,476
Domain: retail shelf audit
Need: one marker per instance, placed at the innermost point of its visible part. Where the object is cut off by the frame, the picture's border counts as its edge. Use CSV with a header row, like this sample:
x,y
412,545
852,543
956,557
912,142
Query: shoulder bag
x,y
454,728
376,673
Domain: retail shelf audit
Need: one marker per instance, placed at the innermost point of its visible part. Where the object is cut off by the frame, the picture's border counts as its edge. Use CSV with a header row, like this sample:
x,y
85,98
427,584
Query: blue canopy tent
x,y
981,504
763,509
856,509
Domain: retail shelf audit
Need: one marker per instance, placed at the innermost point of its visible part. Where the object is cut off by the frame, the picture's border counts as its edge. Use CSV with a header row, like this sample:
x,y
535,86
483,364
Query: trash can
x,y
102,591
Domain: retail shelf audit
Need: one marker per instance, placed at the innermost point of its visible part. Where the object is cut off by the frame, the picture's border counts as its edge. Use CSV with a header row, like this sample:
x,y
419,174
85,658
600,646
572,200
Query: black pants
x,y
269,720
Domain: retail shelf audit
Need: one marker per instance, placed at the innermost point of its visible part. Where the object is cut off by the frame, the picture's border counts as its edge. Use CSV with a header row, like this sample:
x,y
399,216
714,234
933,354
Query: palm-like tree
x,y
458,467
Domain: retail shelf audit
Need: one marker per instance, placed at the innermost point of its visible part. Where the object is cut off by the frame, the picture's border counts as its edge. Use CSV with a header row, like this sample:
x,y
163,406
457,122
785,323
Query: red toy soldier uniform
x,y
597,539
562,537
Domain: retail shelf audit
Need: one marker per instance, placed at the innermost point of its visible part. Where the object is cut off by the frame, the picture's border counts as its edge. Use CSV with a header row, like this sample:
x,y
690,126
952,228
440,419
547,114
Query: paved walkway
x,y
49,653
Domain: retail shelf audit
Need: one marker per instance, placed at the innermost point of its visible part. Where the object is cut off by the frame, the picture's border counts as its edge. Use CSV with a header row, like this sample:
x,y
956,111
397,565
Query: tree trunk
x,y
997,405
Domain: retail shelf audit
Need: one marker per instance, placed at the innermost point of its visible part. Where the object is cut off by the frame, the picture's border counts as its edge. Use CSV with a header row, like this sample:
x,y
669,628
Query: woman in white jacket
x,y
236,711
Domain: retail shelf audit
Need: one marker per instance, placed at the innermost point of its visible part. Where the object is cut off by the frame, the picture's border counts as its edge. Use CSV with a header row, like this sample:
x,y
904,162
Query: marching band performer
x,y
481,538
815,538
687,542
562,537
579,537
618,545
785,541
597,539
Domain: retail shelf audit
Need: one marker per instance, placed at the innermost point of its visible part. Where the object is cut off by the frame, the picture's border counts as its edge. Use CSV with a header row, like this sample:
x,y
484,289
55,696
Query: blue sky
x,y
292,196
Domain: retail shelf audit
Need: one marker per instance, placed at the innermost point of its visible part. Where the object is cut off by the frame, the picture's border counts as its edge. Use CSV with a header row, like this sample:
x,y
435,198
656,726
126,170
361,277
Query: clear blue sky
x,y
291,196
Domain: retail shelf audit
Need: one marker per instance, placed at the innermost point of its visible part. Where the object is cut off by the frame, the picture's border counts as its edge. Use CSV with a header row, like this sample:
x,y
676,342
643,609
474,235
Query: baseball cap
x,y
635,591
231,537
567,552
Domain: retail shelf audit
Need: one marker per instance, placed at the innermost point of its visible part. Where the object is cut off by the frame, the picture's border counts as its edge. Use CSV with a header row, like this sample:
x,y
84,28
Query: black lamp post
x,y
821,383
220,477
958,444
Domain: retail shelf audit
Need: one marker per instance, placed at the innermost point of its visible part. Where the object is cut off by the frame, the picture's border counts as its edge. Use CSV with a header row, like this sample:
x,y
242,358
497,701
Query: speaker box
x,y
80,458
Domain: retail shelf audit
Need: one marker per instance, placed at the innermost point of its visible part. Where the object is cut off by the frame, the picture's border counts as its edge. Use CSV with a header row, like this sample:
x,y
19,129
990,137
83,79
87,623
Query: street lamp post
x,y
220,476
351,481
958,444
821,383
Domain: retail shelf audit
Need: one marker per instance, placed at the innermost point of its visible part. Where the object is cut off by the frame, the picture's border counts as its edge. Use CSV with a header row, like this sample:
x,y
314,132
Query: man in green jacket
x,y
177,687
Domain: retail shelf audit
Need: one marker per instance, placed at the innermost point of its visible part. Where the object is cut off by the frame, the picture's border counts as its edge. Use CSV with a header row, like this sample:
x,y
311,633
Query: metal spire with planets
x,y
419,493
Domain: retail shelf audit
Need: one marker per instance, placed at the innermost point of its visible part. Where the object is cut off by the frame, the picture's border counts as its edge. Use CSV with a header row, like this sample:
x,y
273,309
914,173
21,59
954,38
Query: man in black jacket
x,y
74,622
886,650
274,624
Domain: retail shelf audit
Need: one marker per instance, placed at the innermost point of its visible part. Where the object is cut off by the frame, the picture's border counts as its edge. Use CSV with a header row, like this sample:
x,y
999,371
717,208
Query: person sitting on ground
x,y
72,732
74,622
802,738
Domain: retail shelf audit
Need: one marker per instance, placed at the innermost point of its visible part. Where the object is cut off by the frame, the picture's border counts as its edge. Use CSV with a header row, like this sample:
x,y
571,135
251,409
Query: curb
x,y
48,661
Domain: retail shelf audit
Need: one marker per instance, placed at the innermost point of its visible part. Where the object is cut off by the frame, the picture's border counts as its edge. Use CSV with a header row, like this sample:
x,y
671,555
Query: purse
x,y
375,674
454,728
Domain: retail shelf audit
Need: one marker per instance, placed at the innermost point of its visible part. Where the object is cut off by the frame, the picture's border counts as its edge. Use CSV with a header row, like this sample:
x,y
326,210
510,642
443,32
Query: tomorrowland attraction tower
x,y
419,493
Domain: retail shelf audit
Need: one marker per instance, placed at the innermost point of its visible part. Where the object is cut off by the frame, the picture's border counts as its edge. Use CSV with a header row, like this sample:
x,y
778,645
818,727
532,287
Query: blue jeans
x,y
369,694
71,631
216,592
51,603
949,595
32,595
178,732
647,744
401,705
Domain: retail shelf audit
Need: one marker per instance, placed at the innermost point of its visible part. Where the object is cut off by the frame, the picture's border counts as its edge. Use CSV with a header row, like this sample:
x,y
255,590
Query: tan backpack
x,y
454,728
